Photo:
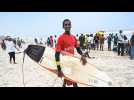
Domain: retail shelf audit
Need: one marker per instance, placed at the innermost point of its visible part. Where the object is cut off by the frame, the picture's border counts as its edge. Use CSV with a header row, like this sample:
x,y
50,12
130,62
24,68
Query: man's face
x,y
67,26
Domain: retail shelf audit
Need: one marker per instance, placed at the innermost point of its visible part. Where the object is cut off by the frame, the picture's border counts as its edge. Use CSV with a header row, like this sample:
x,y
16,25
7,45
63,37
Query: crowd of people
x,y
52,40
117,42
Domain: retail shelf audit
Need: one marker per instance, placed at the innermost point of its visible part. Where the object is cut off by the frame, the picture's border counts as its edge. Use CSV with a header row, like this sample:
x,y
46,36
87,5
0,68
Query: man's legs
x,y
68,82
13,56
89,47
119,46
97,46
75,85
132,52
122,49
100,47
87,54
108,46
64,83
10,57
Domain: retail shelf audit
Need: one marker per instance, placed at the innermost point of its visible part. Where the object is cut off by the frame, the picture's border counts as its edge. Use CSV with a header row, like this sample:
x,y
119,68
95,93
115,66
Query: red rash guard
x,y
67,43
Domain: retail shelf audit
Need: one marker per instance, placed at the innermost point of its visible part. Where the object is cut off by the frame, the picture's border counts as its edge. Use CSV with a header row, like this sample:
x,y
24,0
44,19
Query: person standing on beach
x,y
115,40
36,41
92,44
85,41
11,48
66,43
3,46
96,40
109,42
41,41
86,49
77,36
55,40
48,41
81,39
19,43
121,43
132,47
102,39
51,41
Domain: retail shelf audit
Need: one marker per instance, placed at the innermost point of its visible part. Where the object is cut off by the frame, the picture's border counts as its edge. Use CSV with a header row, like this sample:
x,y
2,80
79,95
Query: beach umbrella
x,y
101,32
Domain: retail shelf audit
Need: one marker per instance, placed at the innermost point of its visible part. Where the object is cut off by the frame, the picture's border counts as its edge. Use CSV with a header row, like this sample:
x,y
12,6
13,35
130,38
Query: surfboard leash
x,y
54,71
23,75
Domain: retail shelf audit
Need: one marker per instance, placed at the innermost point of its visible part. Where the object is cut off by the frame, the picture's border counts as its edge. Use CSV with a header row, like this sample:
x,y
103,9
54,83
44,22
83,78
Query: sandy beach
x,y
119,69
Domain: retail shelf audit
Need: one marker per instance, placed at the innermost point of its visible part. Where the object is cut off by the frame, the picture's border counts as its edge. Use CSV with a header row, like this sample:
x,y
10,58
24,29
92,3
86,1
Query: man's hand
x,y
60,73
83,60
17,48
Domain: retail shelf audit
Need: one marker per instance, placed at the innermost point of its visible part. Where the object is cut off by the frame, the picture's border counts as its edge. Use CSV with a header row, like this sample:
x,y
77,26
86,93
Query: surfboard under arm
x,y
55,71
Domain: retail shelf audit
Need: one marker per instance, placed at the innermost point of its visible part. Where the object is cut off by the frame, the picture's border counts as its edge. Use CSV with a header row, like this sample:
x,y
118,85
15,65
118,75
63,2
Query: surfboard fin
x,y
35,52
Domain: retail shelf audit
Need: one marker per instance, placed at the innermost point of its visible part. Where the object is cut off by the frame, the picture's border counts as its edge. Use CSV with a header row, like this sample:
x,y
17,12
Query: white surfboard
x,y
74,70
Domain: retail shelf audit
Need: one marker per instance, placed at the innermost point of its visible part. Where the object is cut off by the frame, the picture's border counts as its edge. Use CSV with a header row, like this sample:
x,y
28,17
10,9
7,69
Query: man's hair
x,y
120,31
65,21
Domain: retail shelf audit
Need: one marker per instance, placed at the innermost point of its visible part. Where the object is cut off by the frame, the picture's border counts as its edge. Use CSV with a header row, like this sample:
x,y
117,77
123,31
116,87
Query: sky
x,y
42,24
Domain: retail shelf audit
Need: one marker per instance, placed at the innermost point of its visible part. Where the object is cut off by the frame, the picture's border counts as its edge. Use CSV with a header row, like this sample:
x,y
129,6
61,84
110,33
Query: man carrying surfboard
x,y
67,43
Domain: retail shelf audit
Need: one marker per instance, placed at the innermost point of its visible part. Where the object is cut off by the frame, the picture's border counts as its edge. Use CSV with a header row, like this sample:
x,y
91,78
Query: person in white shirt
x,y
121,43
11,48
90,40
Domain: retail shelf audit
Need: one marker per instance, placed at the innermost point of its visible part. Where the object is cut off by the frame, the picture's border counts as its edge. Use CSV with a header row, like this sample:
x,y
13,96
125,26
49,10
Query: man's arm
x,y
57,59
83,58
16,46
79,50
